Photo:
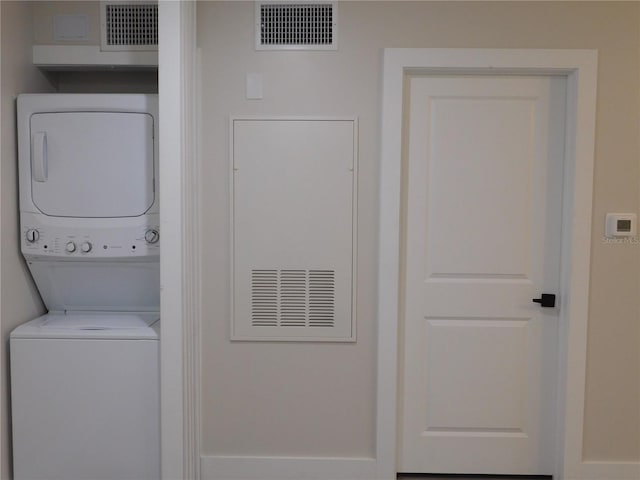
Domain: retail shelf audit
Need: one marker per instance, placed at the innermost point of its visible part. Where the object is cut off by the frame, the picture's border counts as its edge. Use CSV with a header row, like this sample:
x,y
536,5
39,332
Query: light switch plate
x,y
621,225
254,86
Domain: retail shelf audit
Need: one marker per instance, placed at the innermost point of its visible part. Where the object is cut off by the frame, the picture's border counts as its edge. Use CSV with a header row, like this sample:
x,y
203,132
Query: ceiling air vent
x,y
296,26
128,26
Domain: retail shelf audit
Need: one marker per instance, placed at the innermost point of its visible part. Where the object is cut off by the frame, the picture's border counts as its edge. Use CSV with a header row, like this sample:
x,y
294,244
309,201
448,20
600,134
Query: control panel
x,y
79,243
621,225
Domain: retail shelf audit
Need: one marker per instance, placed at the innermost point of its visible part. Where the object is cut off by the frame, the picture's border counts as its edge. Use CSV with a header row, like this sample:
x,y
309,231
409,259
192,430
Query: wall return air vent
x,y
129,26
293,298
296,25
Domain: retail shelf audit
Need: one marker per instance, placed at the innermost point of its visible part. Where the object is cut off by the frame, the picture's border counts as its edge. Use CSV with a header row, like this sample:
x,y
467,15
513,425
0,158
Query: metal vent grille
x,y
132,26
296,26
293,298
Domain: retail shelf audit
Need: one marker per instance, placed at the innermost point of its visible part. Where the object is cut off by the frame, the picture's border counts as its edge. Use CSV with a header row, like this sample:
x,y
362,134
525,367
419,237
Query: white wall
x,y
319,399
19,299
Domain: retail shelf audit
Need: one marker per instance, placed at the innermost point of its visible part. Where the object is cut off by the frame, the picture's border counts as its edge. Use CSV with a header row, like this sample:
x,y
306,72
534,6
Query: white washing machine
x,y
85,401
85,377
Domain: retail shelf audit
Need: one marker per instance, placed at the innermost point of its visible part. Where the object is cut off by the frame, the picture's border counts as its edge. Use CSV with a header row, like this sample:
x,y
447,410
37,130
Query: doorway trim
x,y
579,67
180,252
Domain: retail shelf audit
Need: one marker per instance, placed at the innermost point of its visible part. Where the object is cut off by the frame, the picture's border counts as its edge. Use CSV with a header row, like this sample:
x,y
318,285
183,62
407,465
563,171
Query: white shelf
x,y
81,57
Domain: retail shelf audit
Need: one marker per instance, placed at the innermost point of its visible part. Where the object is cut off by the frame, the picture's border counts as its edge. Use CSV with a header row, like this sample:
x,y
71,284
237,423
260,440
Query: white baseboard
x,y
286,468
589,470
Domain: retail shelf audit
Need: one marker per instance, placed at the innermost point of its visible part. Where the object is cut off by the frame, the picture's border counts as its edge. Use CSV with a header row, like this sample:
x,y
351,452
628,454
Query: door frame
x,y
180,253
579,67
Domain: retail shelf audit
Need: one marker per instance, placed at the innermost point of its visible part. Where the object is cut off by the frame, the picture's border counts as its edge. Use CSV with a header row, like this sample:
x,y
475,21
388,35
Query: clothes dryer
x,y
89,199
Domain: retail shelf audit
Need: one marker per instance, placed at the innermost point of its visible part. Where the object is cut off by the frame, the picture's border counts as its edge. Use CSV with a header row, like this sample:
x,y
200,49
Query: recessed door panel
x,y
92,164
476,371
490,161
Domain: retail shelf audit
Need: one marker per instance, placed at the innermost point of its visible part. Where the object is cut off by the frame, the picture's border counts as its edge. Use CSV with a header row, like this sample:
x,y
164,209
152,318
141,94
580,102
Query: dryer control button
x,y
32,235
86,247
71,247
152,236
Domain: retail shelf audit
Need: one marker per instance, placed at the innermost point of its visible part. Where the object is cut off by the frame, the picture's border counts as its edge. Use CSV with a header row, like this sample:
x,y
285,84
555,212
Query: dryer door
x,y
92,164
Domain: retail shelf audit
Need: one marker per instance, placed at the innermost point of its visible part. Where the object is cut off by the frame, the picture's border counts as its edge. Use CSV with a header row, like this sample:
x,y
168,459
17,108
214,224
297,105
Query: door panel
x,y
92,164
472,155
482,187
480,360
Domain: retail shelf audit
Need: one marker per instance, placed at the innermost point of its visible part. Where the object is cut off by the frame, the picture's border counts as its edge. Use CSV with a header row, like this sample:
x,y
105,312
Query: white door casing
x,y
580,69
482,195
179,257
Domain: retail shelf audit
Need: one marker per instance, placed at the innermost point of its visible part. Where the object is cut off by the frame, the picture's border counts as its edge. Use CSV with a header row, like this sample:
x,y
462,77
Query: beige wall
x,y
19,300
143,81
43,15
319,399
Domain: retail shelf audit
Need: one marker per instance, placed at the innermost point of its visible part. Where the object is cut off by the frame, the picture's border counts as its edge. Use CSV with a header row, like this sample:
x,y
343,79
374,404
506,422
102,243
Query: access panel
x,y
293,211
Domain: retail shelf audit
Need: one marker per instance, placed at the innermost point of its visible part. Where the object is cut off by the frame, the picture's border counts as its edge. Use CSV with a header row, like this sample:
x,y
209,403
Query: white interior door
x,y
482,214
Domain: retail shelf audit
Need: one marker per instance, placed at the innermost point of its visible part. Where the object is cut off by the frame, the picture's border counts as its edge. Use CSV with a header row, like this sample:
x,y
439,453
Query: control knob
x,y
70,247
152,236
32,235
86,247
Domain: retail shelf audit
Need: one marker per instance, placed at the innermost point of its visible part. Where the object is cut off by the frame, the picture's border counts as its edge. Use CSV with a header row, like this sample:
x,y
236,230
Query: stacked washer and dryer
x,y
85,393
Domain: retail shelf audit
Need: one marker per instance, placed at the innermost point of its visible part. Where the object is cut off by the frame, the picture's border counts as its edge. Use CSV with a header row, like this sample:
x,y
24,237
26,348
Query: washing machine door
x,y
92,164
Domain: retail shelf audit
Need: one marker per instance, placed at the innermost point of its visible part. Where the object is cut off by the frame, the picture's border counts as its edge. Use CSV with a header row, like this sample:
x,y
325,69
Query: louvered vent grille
x,y
131,26
310,26
264,298
293,298
321,298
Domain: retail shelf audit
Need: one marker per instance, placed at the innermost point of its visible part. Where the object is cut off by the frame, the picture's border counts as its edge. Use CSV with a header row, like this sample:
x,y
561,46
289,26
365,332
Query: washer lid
x,y
126,326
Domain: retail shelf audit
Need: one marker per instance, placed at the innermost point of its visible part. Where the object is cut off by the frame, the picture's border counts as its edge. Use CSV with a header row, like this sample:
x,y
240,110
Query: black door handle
x,y
546,300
